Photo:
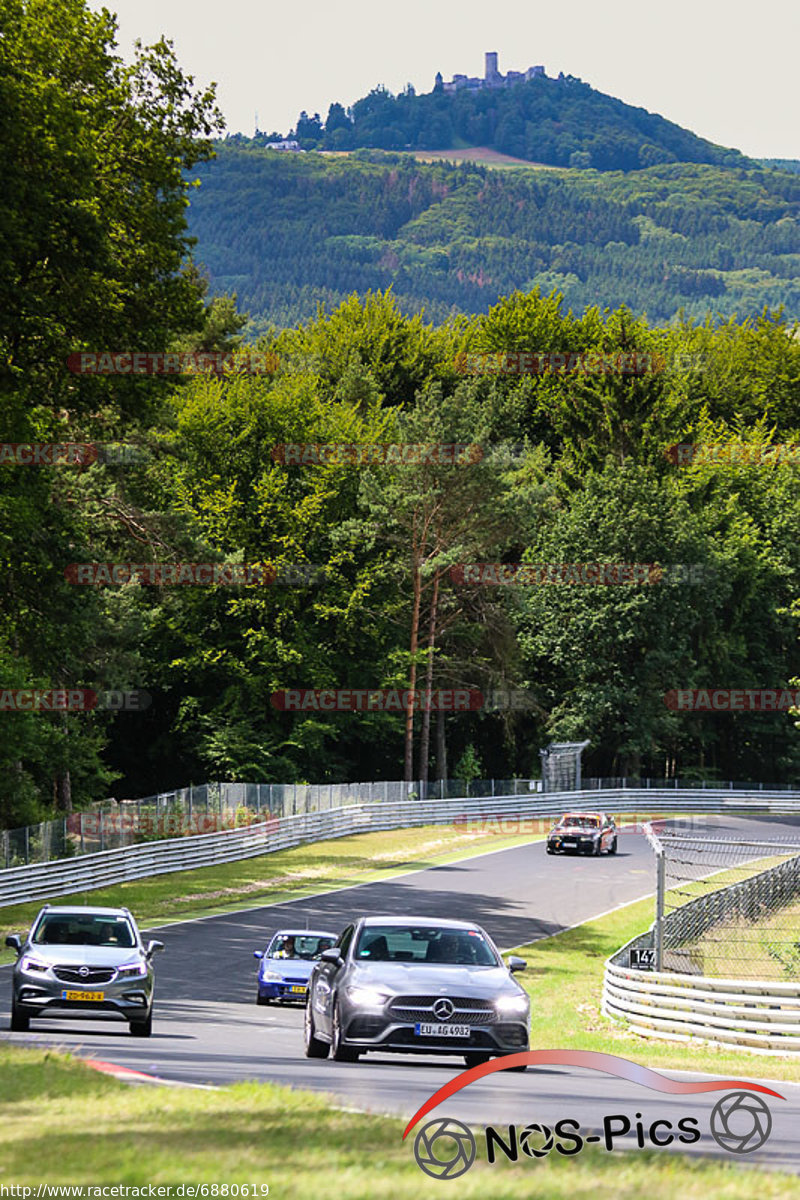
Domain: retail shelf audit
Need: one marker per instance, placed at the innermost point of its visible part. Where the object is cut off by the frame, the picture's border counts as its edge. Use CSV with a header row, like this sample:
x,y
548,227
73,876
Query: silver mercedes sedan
x,y
415,985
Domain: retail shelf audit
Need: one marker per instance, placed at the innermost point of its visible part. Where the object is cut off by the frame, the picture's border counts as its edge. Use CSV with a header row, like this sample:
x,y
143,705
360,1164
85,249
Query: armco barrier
x,y
89,871
761,1016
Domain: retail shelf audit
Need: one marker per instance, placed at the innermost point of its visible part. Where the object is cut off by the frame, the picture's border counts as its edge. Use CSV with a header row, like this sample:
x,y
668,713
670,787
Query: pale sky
x,y
726,69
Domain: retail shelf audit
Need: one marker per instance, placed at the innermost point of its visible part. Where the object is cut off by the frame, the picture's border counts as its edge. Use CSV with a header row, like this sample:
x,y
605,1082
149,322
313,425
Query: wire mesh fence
x,y
728,907
213,807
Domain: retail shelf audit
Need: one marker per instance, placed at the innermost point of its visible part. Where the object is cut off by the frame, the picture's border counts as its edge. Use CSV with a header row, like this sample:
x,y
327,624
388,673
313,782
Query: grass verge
x,y
62,1123
761,949
565,981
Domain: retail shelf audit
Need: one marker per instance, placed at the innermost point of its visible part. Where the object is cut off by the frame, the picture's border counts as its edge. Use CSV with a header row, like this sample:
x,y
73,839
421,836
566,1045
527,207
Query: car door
x,y
325,977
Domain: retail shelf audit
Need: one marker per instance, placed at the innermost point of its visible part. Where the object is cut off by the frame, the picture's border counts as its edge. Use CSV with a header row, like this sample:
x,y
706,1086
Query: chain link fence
x,y
727,907
213,807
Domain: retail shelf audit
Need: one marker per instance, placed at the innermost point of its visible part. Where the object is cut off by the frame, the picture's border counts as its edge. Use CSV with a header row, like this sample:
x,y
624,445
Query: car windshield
x,y
299,945
83,929
424,944
577,819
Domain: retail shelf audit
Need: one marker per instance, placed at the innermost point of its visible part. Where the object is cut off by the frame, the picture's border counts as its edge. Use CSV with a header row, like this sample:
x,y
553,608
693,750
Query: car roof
x,y
303,933
77,910
581,814
414,919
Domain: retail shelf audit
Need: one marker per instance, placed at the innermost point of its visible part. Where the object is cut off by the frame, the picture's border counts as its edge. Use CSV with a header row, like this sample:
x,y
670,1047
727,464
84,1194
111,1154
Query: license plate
x,y
93,996
569,843
430,1030
301,991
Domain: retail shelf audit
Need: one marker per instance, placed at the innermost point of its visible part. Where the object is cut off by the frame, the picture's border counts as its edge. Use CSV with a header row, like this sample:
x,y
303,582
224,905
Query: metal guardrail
x,y
90,871
760,1015
763,1016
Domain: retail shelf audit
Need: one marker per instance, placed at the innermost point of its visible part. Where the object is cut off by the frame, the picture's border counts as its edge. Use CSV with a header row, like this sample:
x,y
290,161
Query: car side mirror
x,y
152,948
258,954
331,955
14,942
516,964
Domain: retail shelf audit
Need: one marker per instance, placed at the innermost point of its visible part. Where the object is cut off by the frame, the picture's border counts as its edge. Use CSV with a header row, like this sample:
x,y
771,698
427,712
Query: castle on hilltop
x,y
492,77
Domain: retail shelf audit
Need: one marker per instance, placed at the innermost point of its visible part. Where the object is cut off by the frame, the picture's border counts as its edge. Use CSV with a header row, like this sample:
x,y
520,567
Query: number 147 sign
x,y
643,959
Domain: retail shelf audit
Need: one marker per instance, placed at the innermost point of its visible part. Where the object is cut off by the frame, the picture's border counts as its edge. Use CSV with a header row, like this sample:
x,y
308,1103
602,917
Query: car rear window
x,y
424,944
83,929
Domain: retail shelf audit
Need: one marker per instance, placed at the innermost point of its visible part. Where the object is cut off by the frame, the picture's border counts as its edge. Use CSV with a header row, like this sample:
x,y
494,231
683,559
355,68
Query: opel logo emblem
x,y
84,971
443,1009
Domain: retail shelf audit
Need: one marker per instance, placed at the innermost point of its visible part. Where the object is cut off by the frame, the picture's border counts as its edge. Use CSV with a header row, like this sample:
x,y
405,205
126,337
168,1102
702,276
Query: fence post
x,y
27,844
659,925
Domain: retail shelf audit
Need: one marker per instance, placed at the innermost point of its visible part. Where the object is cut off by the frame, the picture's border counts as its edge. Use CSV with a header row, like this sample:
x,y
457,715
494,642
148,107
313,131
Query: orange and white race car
x,y
583,833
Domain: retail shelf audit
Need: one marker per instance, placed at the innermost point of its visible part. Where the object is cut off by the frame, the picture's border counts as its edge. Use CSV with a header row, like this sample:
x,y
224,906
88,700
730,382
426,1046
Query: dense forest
x,y
563,122
287,232
576,462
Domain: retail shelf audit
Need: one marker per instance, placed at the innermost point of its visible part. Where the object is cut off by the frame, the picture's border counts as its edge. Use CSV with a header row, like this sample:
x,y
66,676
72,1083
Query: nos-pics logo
x,y
446,1148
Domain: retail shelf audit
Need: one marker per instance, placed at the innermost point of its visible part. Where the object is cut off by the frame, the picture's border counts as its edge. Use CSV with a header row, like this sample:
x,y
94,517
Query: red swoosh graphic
x,y
612,1064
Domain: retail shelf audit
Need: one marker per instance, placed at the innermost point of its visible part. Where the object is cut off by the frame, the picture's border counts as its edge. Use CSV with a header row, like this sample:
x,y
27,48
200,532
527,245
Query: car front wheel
x,y
19,1022
142,1028
314,1047
339,1051
612,849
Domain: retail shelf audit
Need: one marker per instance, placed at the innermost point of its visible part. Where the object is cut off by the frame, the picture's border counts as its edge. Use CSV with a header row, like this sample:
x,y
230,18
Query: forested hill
x,y
286,231
563,122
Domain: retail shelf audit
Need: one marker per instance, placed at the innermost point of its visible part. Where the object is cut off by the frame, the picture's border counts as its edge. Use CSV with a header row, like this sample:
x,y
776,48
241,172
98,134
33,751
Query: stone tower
x,y
491,65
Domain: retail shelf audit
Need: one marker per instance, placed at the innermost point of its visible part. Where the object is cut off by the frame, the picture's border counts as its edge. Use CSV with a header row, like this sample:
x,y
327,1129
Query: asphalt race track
x,y
208,1029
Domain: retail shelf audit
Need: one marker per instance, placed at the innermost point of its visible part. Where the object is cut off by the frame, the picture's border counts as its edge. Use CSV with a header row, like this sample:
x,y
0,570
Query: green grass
x,y
62,1123
762,949
565,981
275,878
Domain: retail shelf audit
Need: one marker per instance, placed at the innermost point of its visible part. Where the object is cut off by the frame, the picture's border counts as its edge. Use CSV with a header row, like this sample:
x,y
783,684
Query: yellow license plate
x,y
300,989
93,996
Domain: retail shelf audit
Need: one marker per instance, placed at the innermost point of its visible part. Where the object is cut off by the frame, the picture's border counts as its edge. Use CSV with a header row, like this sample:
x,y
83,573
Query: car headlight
x,y
31,963
129,970
271,976
512,1005
366,996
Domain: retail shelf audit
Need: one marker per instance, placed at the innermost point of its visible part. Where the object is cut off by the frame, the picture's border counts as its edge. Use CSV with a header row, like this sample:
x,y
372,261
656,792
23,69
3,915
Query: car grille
x,y
468,1010
92,975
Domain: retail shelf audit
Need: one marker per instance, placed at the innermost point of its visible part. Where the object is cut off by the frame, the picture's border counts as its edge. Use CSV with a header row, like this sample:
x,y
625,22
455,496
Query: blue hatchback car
x,y
287,962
